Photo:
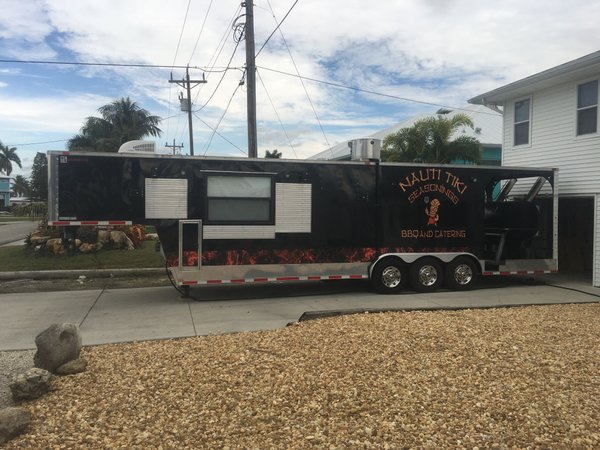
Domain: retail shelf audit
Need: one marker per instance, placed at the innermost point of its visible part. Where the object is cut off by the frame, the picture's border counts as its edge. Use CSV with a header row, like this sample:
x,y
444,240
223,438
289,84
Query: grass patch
x,y
18,258
8,218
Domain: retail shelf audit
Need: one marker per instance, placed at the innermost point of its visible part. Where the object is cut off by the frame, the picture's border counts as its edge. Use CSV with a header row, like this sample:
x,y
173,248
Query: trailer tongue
x,y
228,220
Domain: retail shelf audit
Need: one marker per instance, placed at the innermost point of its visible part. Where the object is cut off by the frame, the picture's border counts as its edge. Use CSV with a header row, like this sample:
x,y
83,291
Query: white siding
x,y
554,142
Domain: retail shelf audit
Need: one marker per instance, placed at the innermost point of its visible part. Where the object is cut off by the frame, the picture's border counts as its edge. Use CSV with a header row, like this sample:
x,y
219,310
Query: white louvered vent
x,y
166,198
293,208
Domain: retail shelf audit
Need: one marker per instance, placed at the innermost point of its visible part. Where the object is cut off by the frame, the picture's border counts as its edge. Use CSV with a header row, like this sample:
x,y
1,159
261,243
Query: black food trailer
x,y
241,220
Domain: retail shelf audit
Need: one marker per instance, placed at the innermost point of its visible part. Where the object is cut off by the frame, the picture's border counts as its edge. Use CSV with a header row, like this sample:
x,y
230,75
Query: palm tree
x,y
122,120
275,154
8,155
21,186
429,141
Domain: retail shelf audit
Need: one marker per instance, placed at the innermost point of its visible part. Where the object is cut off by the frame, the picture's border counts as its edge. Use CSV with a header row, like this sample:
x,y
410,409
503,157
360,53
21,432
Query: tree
x,y
429,141
20,186
274,154
39,178
122,120
8,155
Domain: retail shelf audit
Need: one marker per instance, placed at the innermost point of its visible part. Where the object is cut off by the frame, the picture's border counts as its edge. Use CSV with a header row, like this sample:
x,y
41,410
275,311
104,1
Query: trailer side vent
x,y
293,208
166,198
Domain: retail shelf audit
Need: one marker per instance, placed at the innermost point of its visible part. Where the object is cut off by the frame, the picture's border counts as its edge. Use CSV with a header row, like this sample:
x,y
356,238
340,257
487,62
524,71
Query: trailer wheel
x,y
461,274
389,276
426,274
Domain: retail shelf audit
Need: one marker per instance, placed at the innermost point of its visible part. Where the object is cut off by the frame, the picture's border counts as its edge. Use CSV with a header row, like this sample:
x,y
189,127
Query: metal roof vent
x,y
365,149
138,147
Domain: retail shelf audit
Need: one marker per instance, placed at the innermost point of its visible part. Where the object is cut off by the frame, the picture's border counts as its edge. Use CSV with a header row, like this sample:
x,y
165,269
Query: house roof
x,y
487,130
575,70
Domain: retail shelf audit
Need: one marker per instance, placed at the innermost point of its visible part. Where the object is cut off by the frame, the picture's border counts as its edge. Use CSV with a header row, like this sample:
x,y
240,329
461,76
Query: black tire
x,y
389,276
461,274
426,274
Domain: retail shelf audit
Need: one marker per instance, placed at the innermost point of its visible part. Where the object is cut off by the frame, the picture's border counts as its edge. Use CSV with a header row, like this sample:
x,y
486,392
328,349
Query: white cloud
x,y
435,51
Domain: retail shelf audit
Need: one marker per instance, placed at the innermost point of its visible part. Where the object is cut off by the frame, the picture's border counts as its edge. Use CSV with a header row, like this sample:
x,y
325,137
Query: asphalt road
x,y
15,231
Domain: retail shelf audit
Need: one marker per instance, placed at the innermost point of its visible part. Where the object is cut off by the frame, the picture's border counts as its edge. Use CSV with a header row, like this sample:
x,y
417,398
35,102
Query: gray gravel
x,y
11,364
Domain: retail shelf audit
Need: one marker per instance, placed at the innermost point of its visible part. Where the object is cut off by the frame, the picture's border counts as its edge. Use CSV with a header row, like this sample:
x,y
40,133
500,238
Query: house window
x,y
587,108
522,116
240,199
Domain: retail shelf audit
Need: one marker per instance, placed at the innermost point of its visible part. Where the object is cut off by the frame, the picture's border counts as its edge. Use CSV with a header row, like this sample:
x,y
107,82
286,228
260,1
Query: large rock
x,y
58,344
72,367
56,246
103,236
13,422
30,385
120,240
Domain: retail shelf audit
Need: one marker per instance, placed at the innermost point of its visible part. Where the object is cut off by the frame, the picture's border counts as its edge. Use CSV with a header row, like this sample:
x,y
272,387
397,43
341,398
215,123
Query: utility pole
x,y
250,79
173,146
186,104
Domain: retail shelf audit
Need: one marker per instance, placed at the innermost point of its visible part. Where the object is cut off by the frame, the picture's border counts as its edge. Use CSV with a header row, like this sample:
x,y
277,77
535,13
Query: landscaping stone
x,y
58,344
72,367
30,385
13,422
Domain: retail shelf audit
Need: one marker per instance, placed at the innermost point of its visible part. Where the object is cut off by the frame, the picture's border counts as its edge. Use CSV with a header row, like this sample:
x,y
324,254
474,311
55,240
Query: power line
x,y
220,81
175,57
301,80
82,63
276,114
217,53
218,134
221,118
277,28
187,10
37,143
367,91
201,30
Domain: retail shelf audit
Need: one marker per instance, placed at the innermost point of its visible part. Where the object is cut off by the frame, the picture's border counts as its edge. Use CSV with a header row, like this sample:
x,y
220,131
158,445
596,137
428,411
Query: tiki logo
x,y
432,212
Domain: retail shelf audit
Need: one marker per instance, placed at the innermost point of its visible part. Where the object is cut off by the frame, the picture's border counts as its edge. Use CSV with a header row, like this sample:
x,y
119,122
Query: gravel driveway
x,y
499,378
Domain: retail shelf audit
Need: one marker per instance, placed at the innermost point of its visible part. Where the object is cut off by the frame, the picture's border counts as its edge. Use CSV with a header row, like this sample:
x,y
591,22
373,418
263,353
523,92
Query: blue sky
x,y
436,51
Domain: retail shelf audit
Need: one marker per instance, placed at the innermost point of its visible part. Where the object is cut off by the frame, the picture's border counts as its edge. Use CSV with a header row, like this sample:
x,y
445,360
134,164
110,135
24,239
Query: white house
x,y
551,120
487,130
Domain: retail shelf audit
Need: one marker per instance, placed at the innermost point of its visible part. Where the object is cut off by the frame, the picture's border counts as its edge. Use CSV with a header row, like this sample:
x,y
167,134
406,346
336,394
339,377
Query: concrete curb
x,y
90,273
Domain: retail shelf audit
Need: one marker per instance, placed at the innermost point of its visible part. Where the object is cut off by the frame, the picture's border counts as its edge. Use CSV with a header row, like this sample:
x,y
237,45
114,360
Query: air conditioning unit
x,y
364,149
138,147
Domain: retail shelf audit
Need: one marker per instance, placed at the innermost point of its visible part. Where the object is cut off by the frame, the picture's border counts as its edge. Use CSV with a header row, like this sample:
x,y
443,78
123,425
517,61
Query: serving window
x,y
240,199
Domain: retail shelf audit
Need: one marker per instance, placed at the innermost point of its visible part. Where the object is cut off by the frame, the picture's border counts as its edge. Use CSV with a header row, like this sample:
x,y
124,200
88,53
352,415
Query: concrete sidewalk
x,y
121,315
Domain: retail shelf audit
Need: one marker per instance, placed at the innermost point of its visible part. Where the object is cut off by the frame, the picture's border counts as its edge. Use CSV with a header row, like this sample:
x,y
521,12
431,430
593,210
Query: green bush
x,y
34,210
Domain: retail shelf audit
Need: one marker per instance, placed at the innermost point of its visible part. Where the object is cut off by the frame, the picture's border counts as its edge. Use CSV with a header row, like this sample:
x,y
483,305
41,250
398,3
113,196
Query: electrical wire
x,y
277,28
201,30
174,59
277,114
225,69
300,78
218,134
221,118
367,91
219,83
217,53
182,29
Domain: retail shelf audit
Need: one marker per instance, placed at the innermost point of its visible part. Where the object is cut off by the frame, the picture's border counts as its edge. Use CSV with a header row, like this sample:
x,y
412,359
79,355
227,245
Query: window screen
x,y
587,108
239,199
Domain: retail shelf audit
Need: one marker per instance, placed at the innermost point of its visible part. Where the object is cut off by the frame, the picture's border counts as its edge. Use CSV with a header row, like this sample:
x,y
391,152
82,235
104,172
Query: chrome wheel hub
x,y
463,274
428,275
391,277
